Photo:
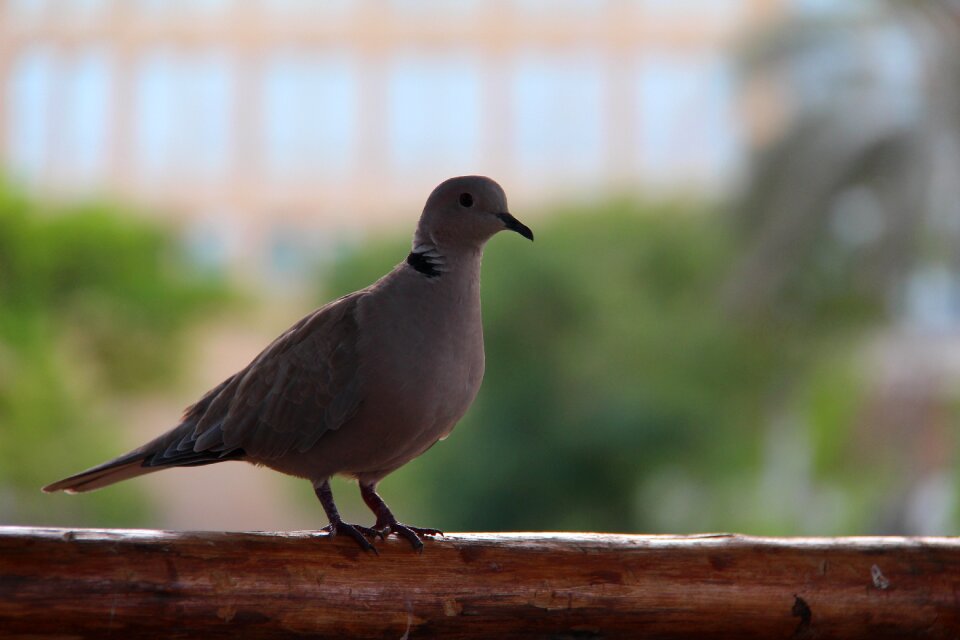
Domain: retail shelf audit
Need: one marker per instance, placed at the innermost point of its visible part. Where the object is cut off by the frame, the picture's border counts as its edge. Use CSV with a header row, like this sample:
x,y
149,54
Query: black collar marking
x,y
423,264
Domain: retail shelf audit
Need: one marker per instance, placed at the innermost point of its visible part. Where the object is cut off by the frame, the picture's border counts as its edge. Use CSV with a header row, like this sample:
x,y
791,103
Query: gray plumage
x,y
360,386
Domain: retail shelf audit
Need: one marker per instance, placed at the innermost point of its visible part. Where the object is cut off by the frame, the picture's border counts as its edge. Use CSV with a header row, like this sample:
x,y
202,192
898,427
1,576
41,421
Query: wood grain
x,y
125,583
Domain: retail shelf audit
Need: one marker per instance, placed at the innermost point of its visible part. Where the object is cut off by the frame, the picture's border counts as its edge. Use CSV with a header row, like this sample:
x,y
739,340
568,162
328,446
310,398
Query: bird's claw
x,y
410,534
358,533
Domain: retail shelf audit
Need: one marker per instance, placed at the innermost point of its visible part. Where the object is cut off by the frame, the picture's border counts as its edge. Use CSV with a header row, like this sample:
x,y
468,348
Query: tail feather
x,y
172,449
122,468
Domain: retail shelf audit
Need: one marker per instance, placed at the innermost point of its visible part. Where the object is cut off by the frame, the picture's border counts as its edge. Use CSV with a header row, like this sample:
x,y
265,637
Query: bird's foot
x,y
410,534
358,533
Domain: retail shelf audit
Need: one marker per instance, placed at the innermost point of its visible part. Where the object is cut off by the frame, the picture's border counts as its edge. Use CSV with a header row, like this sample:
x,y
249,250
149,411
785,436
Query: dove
x,y
359,387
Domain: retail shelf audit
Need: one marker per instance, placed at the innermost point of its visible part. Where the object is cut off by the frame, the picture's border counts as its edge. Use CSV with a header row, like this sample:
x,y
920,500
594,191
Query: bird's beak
x,y
515,225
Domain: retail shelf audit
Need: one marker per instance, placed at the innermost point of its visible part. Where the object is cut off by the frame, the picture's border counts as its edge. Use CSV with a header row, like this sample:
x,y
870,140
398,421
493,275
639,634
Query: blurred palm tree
x,y
852,217
860,192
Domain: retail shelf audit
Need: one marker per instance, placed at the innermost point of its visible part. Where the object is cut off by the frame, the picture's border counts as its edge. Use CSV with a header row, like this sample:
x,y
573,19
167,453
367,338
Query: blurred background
x,y
741,313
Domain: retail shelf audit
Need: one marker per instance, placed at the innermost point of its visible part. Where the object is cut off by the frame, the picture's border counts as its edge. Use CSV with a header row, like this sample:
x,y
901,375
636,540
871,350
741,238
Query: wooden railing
x,y
132,583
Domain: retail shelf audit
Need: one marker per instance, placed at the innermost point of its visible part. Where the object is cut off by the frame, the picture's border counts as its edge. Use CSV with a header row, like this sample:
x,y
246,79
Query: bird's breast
x,y
425,357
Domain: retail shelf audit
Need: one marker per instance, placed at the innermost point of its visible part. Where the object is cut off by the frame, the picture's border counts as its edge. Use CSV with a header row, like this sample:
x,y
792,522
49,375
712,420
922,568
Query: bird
x,y
360,386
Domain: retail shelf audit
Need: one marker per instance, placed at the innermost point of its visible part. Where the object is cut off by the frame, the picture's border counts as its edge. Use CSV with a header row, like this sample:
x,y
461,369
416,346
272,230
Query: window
x,y
434,112
688,130
86,85
310,114
31,83
559,113
184,113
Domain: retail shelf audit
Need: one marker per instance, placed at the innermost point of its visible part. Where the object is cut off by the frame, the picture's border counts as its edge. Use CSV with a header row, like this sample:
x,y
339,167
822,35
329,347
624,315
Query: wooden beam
x,y
373,25
125,583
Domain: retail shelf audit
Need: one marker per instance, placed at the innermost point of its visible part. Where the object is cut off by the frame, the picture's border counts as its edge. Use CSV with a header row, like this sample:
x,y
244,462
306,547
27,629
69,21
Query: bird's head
x,y
467,211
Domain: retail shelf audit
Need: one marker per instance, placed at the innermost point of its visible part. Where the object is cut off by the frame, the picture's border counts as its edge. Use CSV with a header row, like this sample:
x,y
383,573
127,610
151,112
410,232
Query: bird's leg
x,y
337,526
386,522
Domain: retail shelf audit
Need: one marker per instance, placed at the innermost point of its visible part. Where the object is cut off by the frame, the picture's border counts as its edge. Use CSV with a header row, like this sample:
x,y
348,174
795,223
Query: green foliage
x,y
619,395
93,301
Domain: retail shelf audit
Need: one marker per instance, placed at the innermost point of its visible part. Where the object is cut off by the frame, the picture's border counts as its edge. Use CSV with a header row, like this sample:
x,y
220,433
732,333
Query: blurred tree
x,y
92,303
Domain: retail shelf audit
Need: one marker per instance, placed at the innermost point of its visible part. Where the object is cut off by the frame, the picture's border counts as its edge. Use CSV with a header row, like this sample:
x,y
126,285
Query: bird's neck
x,y
434,261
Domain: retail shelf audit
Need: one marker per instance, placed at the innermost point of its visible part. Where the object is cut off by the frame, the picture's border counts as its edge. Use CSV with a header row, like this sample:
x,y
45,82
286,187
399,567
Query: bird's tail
x,y
175,448
126,466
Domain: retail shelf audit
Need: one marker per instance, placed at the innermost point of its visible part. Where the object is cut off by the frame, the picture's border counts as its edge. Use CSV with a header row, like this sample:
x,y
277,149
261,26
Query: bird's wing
x,y
301,386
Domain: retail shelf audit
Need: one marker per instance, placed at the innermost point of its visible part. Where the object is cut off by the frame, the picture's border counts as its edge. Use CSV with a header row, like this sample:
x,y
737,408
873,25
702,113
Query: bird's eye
x,y
466,200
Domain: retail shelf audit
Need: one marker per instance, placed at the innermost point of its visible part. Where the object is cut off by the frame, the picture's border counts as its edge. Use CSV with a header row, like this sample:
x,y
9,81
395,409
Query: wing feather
x,y
304,384
301,386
